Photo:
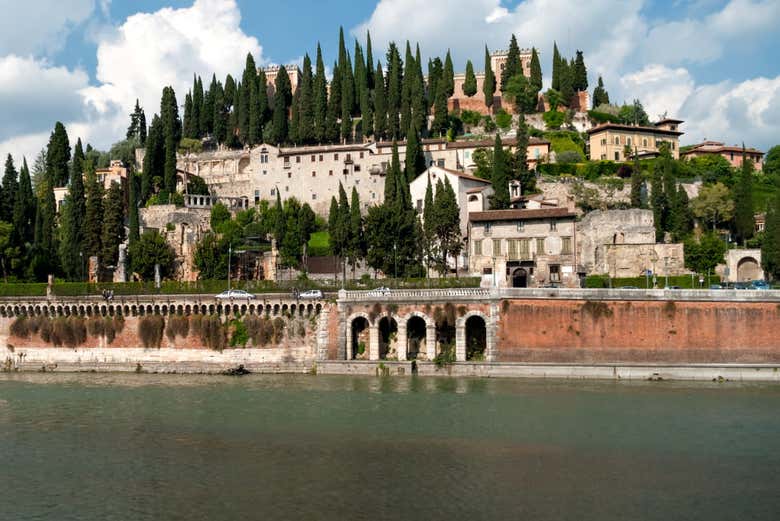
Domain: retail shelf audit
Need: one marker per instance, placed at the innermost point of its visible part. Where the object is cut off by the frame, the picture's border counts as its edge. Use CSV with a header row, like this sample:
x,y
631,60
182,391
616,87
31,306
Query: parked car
x,y
672,287
628,287
759,284
234,294
742,285
716,286
381,291
310,294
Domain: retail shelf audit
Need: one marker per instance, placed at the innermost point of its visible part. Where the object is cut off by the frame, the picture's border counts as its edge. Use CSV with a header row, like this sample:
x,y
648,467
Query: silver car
x,y
311,294
234,294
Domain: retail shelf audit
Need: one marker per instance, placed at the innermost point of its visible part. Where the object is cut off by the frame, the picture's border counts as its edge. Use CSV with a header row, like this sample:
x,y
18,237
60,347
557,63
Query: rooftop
x,y
521,215
716,147
633,128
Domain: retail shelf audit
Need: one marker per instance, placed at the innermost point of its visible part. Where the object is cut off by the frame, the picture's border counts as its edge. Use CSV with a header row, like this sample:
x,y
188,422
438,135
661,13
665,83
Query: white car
x,y
381,291
234,294
312,293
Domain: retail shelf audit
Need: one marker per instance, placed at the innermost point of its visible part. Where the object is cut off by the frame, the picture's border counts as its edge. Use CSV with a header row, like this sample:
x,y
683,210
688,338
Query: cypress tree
x,y
512,67
94,213
345,232
429,226
332,130
392,179
295,118
230,91
435,72
347,99
263,105
636,183
489,85
659,201
58,156
744,220
406,91
137,128
394,84
363,93
499,177
470,83
220,118
419,104
77,167
770,246
280,222
113,233
380,104
448,75
357,247
306,104
526,177
154,159
24,208
580,73
369,62
536,70
681,217
197,107
320,98
255,118
207,113
440,116
9,191
600,94
566,74
556,68
333,227
187,129
282,100
132,210
171,125
248,84
73,219
414,162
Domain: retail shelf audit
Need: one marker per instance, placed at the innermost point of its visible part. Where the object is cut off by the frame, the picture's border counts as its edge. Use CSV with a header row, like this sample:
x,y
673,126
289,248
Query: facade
x,y
115,173
312,174
293,72
524,248
732,154
459,101
618,142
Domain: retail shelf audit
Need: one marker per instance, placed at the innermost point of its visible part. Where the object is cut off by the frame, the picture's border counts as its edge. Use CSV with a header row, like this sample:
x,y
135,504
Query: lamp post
x,y
230,253
395,261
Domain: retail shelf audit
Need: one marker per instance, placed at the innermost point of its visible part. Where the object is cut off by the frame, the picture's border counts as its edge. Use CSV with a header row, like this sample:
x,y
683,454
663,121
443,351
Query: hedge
x,y
683,281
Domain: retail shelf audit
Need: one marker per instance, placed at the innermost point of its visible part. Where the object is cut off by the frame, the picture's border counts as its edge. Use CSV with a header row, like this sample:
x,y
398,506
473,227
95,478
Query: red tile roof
x,y
520,215
633,128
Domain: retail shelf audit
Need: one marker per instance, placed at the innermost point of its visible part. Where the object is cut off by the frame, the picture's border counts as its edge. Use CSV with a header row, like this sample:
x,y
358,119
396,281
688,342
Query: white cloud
x,y
135,60
661,89
36,27
497,14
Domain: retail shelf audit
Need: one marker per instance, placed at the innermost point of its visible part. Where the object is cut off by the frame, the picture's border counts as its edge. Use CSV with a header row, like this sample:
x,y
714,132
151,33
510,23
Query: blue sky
x,y
710,62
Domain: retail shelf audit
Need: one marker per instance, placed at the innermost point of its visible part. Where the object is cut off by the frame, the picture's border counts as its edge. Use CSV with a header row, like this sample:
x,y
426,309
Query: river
x,y
144,447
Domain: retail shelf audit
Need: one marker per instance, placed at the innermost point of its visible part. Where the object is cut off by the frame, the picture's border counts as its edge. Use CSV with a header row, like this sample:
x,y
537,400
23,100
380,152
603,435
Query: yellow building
x,y
617,142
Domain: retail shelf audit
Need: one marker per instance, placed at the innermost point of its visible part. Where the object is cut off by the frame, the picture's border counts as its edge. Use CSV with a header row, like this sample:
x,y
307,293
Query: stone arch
x,y
359,330
466,332
420,336
318,309
748,268
520,278
388,329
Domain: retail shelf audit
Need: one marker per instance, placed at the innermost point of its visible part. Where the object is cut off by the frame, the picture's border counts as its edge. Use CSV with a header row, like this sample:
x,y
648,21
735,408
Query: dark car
x,y
759,284
672,287
716,286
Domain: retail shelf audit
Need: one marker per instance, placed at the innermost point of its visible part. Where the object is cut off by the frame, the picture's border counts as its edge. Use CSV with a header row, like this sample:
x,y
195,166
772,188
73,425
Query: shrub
x,y
255,328
239,336
489,125
69,331
470,117
150,330
446,355
553,119
213,333
20,327
568,156
178,325
503,119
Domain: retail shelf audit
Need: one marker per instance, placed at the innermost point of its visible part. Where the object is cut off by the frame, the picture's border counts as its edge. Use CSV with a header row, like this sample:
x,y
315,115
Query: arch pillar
x,y
430,341
460,342
373,341
401,339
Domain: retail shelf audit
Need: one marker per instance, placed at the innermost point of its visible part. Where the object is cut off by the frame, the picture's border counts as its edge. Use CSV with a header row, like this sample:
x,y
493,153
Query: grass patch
x,y
319,244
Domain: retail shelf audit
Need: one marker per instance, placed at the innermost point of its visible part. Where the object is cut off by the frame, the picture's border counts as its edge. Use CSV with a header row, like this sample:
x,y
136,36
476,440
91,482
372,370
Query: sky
x,y
711,63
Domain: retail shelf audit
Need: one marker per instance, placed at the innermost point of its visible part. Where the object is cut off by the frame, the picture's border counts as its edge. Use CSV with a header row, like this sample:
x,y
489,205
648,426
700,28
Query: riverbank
x,y
301,360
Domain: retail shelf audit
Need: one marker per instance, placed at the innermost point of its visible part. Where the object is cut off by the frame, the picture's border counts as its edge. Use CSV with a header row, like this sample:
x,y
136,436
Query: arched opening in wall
x,y
476,338
388,338
749,269
360,338
415,337
520,278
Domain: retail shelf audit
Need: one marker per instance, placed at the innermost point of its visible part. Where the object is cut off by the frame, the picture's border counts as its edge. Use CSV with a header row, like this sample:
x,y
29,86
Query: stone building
x,y
312,173
618,142
732,154
459,100
524,248
115,173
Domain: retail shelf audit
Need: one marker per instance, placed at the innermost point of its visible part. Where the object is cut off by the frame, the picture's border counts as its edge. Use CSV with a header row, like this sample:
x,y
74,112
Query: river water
x,y
144,447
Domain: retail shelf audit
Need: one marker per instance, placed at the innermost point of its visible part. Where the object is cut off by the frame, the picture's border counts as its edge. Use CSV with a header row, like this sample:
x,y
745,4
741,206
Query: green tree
x,y
634,114
489,84
526,177
566,74
306,104
600,94
414,162
282,100
636,183
580,73
219,215
132,210
210,258
9,190
680,215
320,98
58,156
293,241
448,76
72,220
499,177
24,209
556,68
197,107
220,116
536,71
447,224
714,205
394,84
658,198
440,115
703,255
207,112
380,104
151,248
770,247
519,90
512,66
113,233
137,129
744,220
357,243
470,83
154,160
429,242
94,214
10,255
171,131
332,129
772,161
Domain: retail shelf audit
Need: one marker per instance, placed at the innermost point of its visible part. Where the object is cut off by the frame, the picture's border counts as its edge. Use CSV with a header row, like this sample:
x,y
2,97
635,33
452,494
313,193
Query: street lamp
x,y
230,253
395,261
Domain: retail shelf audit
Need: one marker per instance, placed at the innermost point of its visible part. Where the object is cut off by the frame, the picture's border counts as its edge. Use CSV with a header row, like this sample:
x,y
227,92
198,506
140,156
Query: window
x,y
357,181
297,159
487,228
603,156
313,197
553,226
467,154
419,205
603,141
314,174
273,191
286,162
644,142
320,158
330,172
566,246
335,157
289,175
496,247
540,245
361,155
349,157
345,171
257,196
265,172
628,141
264,158
440,163
617,140
286,188
617,156
487,271
357,168
524,248
512,249
313,159
520,226
555,273
478,247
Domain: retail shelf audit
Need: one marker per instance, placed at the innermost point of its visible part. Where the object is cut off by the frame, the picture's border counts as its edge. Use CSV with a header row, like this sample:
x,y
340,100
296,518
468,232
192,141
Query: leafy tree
x,y
10,255
470,83
132,210
680,215
526,177
744,220
522,93
636,183
113,225
210,258
499,177
219,215
772,161
154,160
634,114
512,67
713,205
489,84
447,224
600,94
703,255
151,248
94,214
293,240
566,74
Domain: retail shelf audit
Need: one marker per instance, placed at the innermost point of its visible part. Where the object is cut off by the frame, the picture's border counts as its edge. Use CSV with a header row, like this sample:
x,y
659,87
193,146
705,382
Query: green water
x,y
142,447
